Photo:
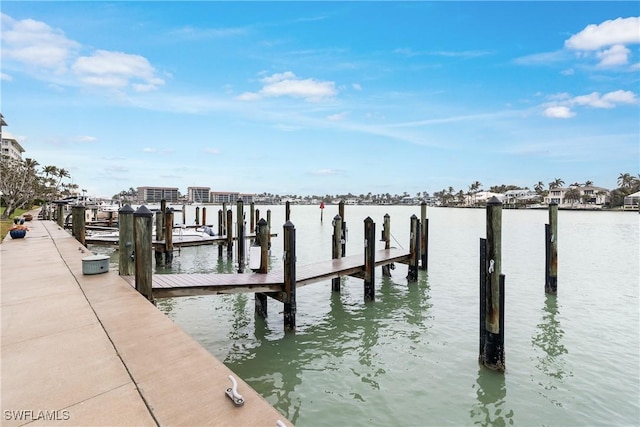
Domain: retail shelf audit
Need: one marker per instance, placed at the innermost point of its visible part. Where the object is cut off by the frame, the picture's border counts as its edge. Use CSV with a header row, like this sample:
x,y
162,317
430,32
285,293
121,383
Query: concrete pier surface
x,y
88,350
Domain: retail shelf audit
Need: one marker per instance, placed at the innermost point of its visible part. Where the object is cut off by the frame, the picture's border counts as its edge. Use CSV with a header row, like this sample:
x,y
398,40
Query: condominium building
x,y
219,197
11,148
157,194
198,194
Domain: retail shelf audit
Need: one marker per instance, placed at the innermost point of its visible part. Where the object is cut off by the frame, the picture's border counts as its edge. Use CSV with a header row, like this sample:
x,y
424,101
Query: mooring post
x,y
197,215
229,232
262,231
414,249
60,214
240,234
493,352
126,266
269,224
551,234
369,259
142,230
336,250
224,218
168,236
252,218
343,238
287,210
258,218
424,238
78,223
204,215
386,237
159,235
289,276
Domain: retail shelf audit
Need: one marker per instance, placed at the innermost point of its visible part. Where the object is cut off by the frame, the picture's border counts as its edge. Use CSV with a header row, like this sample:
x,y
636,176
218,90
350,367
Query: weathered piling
x,y
492,327
224,218
257,213
424,237
220,230
168,236
287,211
289,232
142,229
551,251
60,213
414,249
240,234
229,233
78,223
369,259
252,218
262,231
343,238
336,249
204,215
184,215
197,215
159,221
126,265
269,224
386,237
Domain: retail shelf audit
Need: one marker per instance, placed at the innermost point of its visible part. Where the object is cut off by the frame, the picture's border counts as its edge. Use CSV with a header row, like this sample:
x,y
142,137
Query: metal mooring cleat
x,y
232,393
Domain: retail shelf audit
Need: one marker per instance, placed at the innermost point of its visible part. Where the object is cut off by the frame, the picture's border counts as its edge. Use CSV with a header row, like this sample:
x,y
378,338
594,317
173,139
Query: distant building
x,y
219,197
157,194
11,148
632,201
520,197
198,194
589,197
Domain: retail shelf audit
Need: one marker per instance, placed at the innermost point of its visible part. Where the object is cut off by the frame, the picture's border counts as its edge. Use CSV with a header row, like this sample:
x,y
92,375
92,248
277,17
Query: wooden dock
x,y
178,241
177,285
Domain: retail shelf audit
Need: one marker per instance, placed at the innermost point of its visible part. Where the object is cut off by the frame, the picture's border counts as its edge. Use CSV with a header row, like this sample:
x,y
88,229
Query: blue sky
x,y
324,97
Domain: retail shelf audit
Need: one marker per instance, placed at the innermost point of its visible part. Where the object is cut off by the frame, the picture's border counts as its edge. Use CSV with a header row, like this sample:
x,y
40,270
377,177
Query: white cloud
x,y
608,40
213,151
116,70
561,104
327,172
85,139
287,84
356,86
612,32
338,116
5,77
50,55
558,112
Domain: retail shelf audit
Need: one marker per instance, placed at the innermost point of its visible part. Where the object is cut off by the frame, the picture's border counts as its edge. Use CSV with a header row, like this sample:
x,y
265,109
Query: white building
x,y
11,148
589,197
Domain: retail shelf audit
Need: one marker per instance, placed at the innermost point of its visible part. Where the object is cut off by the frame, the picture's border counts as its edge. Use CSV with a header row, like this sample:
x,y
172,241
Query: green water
x,y
409,358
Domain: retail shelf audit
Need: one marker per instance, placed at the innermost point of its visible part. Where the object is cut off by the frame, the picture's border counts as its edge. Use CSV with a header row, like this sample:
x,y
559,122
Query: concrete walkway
x,y
88,350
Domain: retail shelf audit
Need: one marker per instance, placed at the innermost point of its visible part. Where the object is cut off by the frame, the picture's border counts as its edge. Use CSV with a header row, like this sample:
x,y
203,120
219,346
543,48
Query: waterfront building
x,y
11,148
157,194
198,194
587,197
520,197
632,201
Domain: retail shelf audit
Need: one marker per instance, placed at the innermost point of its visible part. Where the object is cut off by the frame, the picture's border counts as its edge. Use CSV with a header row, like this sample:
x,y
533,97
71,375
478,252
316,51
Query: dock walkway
x,y
88,350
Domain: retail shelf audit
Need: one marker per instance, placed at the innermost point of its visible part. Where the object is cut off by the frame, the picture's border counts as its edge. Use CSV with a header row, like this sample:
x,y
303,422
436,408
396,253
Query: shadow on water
x,y
342,345
491,394
548,339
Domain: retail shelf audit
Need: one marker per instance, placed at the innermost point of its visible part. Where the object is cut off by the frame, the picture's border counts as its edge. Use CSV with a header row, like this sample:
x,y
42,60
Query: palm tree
x,y
625,180
572,195
539,187
588,183
558,182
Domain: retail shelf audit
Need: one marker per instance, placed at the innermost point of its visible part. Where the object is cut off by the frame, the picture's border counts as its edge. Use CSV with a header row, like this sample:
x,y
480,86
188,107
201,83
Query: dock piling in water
x,y
344,228
229,233
492,280
336,249
240,234
168,237
424,237
551,251
414,248
220,229
289,276
386,237
369,258
262,231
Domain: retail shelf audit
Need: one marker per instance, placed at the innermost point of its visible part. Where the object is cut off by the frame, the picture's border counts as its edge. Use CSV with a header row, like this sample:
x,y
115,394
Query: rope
x,y
396,240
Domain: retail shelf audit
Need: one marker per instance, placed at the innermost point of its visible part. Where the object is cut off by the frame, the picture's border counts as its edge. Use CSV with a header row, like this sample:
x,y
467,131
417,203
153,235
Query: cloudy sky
x,y
324,97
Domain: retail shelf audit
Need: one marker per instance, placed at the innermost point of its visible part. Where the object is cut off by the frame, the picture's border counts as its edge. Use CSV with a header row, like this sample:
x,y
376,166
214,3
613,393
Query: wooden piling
x,y
126,265
414,249
204,215
220,230
424,237
493,352
386,237
168,237
369,259
60,214
197,215
551,246
229,234
336,250
269,224
344,228
78,223
240,234
252,218
224,219
289,276
184,215
262,231
287,211
257,217
142,230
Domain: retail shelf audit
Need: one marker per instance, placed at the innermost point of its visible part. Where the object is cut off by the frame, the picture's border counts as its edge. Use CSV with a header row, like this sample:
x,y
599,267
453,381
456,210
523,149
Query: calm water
x,y
410,357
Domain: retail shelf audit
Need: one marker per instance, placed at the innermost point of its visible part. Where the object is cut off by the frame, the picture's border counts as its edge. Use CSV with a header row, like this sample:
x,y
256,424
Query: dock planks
x,y
175,285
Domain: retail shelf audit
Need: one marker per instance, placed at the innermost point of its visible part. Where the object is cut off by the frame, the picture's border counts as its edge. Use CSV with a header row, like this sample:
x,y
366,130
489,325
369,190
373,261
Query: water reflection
x,y
491,394
548,339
